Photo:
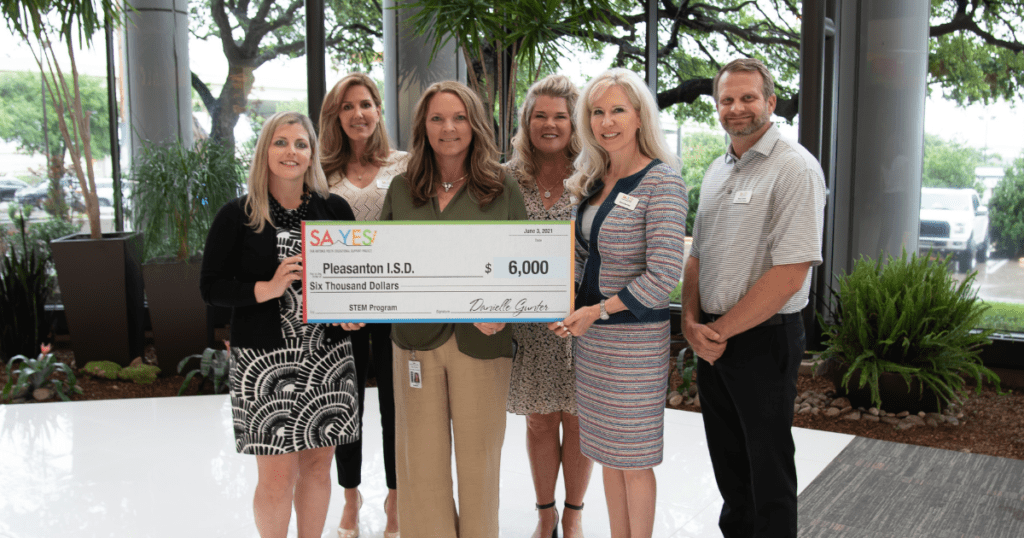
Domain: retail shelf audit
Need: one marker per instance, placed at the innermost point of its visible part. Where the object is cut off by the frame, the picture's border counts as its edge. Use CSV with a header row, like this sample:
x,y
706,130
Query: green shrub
x,y
38,373
213,366
177,193
26,282
909,317
142,374
101,369
1006,212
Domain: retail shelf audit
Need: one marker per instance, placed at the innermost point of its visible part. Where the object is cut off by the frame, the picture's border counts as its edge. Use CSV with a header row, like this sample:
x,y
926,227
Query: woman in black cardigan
x,y
293,385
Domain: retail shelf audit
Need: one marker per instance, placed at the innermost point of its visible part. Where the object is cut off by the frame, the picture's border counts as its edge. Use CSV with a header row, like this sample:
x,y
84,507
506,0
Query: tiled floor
x,y
166,467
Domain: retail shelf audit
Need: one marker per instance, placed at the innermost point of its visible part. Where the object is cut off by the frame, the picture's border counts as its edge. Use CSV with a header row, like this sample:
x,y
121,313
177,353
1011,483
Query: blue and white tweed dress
x,y
622,363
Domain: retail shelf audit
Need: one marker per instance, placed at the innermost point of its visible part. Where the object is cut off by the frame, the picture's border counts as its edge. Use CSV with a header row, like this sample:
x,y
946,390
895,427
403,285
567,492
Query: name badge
x,y
626,201
384,183
742,197
415,375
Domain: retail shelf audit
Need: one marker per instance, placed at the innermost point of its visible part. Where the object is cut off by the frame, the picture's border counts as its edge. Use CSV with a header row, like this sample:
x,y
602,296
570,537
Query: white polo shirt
x,y
764,209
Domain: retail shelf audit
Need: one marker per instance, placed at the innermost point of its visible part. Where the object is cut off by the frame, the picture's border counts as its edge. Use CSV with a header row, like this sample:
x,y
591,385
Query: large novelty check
x,y
410,271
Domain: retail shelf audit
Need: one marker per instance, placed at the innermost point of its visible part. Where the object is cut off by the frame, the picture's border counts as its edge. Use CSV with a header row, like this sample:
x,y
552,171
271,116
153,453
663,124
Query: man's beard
x,y
751,128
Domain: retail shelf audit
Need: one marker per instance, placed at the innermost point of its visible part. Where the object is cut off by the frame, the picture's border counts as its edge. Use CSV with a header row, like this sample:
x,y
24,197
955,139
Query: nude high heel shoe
x,y
352,533
387,534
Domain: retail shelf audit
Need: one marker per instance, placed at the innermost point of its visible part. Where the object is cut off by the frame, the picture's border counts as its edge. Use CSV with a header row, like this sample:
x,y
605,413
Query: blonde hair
x,y
485,181
558,86
593,161
257,202
335,144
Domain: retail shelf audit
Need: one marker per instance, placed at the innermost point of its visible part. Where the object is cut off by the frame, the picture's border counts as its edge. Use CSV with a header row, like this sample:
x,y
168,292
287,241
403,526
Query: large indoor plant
x,y
906,320
177,192
98,274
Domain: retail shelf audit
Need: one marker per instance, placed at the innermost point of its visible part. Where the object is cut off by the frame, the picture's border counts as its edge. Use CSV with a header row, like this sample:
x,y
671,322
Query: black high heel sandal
x,y
554,531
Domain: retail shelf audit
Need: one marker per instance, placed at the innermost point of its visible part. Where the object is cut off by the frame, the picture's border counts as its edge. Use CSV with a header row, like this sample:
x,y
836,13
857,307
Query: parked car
x,y
9,186
105,191
38,196
953,221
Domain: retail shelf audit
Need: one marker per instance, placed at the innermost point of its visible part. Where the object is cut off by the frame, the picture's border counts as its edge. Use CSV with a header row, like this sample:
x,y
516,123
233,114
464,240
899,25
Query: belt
x,y
777,319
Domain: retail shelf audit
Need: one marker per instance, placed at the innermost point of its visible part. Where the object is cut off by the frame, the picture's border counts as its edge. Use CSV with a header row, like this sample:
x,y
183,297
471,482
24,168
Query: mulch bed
x,y
993,424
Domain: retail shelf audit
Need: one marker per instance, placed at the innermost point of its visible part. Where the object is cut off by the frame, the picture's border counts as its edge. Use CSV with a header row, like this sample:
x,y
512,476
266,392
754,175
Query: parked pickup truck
x,y
953,221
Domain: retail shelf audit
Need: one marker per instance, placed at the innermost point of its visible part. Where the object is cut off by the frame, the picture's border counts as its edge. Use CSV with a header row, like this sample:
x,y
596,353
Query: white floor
x,y
166,467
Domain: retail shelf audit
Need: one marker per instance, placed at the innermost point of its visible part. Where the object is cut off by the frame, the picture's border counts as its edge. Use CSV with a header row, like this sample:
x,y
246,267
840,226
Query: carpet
x,y
879,489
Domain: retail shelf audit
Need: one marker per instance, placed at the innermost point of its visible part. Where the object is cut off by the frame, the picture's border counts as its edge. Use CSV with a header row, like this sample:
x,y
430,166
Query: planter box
x,y
101,288
177,311
892,389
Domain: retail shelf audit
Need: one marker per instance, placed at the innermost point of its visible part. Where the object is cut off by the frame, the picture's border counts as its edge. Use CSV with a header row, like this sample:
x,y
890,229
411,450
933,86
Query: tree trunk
x,y
233,102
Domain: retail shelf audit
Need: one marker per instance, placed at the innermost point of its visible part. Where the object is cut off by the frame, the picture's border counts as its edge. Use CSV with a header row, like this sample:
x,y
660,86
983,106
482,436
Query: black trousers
x,y
746,401
371,342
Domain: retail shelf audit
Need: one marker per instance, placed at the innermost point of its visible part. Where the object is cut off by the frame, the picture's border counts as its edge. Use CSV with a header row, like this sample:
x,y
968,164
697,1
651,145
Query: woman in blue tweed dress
x,y
630,226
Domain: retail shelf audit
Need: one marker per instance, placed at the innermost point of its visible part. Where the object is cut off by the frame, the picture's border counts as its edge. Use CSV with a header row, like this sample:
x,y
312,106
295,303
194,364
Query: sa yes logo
x,y
351,238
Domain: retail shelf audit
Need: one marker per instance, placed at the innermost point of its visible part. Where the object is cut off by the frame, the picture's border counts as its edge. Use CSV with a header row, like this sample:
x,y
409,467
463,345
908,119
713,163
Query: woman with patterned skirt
x,y
360,164
629,230
543,374
293,385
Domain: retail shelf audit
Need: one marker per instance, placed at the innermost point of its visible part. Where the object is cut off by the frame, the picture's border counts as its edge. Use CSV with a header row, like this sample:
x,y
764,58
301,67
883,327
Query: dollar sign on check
x,y
487,270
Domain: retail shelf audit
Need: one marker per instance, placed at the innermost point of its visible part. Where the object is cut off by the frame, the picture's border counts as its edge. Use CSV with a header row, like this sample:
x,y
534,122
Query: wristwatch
x,y
604,313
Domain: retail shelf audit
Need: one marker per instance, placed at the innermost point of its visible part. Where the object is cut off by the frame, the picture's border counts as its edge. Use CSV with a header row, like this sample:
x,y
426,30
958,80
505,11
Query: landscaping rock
x,y
42,394
675,399
904,425
931,422
952,421
873,412
136,362
915,420
937,417
853,416
902,414
842,402
870,418
892,421
832,412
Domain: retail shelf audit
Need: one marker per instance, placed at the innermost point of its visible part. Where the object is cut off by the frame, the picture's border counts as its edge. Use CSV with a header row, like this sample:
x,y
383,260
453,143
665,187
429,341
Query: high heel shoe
x,y
554,531
579,531
352,533
396,534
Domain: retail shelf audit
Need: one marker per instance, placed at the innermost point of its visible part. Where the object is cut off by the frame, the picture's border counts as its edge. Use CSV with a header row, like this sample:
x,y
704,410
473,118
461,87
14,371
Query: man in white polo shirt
x,y
757,234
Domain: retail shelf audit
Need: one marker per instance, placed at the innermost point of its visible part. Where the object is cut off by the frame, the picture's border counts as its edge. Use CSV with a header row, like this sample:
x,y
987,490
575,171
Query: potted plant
x,y
904,336
98,274
177,192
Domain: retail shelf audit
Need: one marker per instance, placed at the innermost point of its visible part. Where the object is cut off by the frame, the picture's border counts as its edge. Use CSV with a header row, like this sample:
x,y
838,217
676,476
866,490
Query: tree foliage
x,y
975,51
950,164
48,28
699,150
253,33
1006,211
21,114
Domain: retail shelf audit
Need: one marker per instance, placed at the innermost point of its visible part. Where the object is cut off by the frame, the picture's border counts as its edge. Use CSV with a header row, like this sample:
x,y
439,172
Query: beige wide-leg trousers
x,y
462,398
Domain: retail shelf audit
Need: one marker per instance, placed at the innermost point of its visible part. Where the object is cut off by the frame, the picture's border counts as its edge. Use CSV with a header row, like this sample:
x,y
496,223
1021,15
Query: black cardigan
x,y
236,257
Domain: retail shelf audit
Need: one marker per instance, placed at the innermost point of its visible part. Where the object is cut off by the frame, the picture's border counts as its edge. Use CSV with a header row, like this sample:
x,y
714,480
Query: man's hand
x,y
705,342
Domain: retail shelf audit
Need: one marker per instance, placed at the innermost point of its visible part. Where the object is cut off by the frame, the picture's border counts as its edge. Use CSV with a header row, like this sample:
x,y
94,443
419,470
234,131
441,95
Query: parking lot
x,y
106,217
999,280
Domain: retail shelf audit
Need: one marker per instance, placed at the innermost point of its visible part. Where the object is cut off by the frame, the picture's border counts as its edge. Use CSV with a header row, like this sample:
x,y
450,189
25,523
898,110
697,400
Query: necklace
x,y
547,191
448,186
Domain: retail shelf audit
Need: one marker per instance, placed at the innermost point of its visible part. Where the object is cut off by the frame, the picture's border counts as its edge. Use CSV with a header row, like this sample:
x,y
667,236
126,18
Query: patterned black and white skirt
x,y
297,397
